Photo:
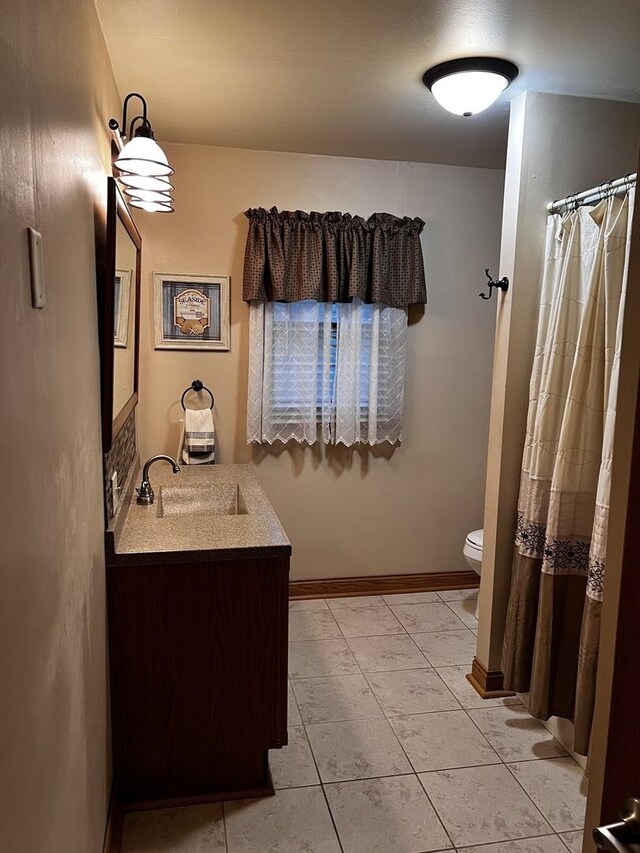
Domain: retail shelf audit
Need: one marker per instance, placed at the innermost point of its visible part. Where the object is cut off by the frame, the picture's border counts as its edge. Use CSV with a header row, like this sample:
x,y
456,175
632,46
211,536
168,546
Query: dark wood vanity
x,y
198,609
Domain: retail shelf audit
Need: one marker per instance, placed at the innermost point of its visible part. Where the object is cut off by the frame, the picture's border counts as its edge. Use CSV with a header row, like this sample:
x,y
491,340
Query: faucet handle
x,y
145,494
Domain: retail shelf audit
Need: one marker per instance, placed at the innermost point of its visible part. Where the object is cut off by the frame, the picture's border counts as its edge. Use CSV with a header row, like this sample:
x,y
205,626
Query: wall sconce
x,y
468,86
143,165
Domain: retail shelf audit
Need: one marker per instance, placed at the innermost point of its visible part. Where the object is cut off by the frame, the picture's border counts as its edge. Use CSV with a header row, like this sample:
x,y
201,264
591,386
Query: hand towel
x,y
199,445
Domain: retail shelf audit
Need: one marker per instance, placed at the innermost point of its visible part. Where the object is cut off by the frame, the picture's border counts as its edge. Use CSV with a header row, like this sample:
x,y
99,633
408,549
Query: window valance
x,y
292,256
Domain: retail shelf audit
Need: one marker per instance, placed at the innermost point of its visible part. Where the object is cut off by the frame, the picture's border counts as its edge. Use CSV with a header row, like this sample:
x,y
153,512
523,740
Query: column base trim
x,y
488,683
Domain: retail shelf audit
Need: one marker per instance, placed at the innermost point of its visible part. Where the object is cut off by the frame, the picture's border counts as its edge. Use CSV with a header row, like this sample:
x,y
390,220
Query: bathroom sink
x,y
209,499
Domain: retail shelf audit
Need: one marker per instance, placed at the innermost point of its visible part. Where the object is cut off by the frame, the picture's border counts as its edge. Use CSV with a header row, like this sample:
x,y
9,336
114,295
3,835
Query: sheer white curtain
x,y
333,372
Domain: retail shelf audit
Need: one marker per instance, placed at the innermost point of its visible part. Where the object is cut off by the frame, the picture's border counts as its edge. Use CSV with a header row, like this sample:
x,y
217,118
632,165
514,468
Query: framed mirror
x,y
119,316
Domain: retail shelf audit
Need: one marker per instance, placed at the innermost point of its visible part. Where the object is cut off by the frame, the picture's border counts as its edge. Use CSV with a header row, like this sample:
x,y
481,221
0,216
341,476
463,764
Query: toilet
x,y
473,550
473,553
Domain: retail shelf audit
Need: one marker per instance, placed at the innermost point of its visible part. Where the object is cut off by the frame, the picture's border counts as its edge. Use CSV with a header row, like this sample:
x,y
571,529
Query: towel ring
x,y
196,386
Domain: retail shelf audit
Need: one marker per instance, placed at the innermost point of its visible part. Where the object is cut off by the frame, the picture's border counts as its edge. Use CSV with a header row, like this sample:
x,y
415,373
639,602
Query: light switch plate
x,y
115,493
36,266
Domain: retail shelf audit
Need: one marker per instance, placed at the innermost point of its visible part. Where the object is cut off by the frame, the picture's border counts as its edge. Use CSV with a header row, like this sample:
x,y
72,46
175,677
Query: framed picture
x,y
191,311
121,303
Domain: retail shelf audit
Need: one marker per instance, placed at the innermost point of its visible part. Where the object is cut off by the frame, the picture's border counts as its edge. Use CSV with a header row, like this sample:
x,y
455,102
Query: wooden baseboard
x,y
113,831
198,799
487,682
382,585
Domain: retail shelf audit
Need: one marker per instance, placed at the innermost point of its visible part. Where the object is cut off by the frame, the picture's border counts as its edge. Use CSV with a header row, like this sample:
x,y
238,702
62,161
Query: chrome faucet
x,y
145,492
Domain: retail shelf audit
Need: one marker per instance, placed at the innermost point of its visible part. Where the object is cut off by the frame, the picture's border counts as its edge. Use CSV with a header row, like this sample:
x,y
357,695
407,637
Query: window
x,y
287,391
328,371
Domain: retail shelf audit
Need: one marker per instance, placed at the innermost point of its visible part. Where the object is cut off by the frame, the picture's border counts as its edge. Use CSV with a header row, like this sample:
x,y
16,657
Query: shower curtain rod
x,y
594,194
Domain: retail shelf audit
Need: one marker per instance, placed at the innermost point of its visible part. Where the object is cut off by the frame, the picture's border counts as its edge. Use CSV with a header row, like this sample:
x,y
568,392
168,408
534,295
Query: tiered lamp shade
x,y
153,206
143,182
144,172
143,156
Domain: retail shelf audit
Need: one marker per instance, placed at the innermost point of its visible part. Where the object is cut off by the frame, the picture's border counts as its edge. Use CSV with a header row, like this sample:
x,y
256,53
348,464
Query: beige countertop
x,y
197,532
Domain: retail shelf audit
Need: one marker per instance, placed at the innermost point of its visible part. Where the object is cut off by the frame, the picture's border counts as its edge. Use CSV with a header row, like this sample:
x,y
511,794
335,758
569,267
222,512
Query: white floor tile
x,y
293,715
455,677
310,658
555,785
458,594
335,698
411,598
355,601
307,604
414,691
573,840
515,734
442,741
390,815
294,820
357,750
447,648
479,805
378,654
367,621
193,829
546,844
465,610
417,618
293,765
312,625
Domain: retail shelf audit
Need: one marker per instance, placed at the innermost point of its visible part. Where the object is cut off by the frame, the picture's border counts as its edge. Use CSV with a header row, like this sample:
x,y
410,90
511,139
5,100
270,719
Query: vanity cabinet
x,y
198,641
198,656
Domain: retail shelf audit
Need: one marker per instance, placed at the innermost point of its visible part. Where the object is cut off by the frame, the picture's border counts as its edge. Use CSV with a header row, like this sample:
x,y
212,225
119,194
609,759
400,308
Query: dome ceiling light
x,y
468,86
142,165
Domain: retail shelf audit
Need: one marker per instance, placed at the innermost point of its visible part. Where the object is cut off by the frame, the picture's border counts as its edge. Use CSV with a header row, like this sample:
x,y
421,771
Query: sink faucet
x,y
145,492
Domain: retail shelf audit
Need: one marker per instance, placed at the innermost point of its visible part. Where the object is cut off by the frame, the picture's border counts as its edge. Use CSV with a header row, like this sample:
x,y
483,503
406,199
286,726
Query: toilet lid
x,y
476,538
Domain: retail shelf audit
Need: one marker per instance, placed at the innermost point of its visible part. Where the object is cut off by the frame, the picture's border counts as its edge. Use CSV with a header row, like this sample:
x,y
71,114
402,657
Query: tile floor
x,y
390,748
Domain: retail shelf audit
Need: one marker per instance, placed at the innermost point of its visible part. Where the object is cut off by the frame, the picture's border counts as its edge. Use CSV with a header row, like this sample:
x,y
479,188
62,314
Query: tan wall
x,y
557,145
346,512
57,91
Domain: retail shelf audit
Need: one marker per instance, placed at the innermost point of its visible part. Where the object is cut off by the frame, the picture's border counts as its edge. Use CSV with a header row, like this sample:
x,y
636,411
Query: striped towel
x,y
199,445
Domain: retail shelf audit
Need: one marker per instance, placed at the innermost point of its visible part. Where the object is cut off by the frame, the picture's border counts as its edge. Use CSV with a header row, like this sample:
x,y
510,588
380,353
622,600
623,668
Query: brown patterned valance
x,y
333,257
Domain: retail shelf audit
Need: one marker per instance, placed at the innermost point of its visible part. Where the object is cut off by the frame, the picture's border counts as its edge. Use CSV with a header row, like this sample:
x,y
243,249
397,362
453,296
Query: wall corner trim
x,y
113,830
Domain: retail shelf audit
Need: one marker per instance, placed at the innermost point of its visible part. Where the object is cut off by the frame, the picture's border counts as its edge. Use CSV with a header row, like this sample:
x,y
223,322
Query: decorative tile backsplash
x,y
120,458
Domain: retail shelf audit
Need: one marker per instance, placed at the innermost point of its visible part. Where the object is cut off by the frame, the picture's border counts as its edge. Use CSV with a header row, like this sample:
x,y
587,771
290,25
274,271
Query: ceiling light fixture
x,y
468,86
142,165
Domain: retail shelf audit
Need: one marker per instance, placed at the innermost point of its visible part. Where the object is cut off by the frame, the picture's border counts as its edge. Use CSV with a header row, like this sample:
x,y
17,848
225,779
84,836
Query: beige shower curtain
x,y
553,621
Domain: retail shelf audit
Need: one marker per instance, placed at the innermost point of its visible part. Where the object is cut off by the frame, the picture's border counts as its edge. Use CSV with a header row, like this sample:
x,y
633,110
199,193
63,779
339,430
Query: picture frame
x,y
121,307
191,312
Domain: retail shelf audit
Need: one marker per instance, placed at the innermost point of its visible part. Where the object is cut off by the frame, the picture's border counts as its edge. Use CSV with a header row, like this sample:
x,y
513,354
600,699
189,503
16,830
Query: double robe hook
x,y
502,283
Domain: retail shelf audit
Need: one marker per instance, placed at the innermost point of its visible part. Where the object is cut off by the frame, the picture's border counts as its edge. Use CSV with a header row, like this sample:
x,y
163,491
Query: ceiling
x,y
344,77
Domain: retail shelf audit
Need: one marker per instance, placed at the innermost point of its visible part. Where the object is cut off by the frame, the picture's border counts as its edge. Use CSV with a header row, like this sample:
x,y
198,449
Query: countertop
x,y
140,534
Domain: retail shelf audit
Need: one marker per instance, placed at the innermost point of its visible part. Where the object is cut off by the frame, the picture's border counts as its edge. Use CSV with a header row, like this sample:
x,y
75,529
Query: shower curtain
x,y
553,620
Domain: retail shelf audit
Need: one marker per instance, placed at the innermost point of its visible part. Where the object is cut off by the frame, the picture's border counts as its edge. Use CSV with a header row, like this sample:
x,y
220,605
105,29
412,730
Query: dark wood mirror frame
x,y
116,210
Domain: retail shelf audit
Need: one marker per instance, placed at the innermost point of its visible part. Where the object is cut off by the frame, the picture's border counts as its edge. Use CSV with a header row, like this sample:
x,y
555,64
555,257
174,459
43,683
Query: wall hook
x,y
502,283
